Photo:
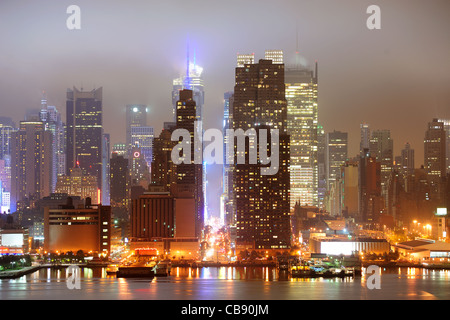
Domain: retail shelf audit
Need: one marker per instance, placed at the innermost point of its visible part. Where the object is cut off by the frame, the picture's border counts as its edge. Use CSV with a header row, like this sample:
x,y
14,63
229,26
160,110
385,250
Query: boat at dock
x,y
135,272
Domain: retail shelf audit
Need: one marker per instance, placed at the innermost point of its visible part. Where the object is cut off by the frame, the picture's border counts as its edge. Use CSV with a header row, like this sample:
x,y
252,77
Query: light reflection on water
x,y
232,283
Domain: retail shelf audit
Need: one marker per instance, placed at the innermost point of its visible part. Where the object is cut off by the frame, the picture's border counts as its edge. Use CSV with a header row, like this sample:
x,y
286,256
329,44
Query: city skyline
x,y
304,144
156,67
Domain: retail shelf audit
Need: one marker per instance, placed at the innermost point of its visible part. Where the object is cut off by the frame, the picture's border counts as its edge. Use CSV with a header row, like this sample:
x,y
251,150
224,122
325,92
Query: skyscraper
x,y
106,187
336,155
7,127
78,184
136,116
51,117
261,201
142,137
192,79
302,126
382,148
243,59
365,138
435,154
447,144
227,202
85,132
31,162
119,178
190,175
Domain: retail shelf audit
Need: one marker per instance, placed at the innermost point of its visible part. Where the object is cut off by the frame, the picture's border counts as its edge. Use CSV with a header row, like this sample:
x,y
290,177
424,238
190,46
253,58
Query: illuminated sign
x,y
136,154
441,212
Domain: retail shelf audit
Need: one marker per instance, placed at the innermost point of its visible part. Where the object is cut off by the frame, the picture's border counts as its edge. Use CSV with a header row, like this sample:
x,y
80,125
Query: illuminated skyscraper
x,y
53,123
142,137
190,175
243,59
382,148
31,162
435,154
365,138
192,79
7,127
261,201
302,126
136,116
78,184
336,155
322,172
275,55
447,145
84,132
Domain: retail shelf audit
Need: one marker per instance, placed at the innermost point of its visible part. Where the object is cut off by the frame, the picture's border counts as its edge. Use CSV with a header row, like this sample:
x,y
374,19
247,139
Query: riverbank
x,y
393,264
12,274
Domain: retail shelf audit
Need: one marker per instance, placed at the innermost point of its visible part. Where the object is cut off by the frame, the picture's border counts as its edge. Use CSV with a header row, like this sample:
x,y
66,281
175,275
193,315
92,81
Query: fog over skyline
x,y
396,78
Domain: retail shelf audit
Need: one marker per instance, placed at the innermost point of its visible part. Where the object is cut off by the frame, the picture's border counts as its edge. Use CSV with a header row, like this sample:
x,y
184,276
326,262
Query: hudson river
x,y
228,283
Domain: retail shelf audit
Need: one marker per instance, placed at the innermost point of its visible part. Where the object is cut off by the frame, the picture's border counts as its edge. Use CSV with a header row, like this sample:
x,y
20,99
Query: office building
x,y
51,118
119,178
190,175
335,155
302,126
76,183
262,201
31,163
142,137
136,116
382,148
435,155
85,132
365,137
447,144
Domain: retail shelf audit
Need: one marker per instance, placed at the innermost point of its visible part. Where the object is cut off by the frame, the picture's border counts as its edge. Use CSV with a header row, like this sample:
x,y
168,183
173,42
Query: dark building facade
x,y
262,201
84,132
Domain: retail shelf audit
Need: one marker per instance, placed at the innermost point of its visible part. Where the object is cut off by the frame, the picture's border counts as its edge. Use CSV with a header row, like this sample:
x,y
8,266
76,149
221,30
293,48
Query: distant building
x,y
85,132
119,180
336,154
435,155
78,184
302,127
262,201
31,162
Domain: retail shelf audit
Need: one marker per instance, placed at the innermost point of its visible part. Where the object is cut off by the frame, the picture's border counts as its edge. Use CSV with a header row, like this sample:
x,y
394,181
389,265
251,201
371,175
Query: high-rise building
x,y
406,166
336,154
85,132
106,187
447,145
7,127
370,199
275,55
119,178
190,175
142,138
51,117
243,59
261,201
192,79
321,163
163,169
120,149
227,203
136,116
365,138
78,184
435,154
302,126
31,162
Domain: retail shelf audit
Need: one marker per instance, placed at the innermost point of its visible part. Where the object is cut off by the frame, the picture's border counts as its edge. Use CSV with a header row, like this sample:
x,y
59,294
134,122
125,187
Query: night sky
x,y
396,78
